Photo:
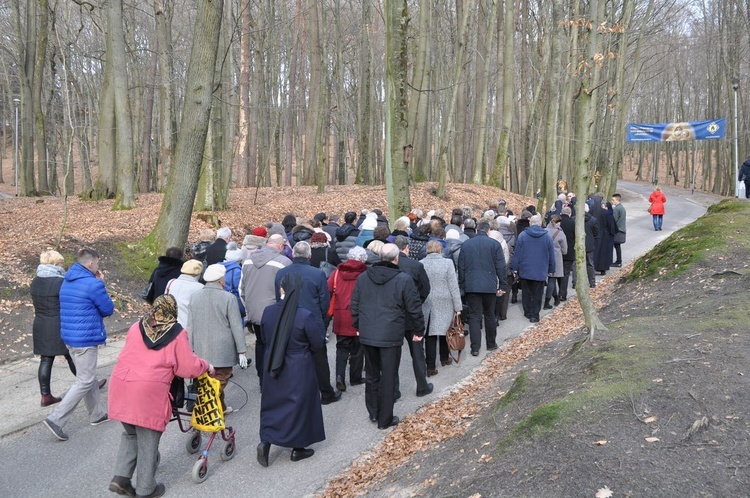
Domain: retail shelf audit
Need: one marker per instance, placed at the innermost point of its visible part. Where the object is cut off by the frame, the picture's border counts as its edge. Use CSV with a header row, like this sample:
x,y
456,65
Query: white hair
x,y
224,233
536,220
357,253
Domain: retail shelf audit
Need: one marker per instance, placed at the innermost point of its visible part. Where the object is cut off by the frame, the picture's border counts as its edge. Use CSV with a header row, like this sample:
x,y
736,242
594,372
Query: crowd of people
x,y
376,284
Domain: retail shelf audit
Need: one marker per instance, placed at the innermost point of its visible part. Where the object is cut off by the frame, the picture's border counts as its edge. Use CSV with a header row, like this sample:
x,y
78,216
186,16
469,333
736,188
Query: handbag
x,y
455,336
331,306
327,267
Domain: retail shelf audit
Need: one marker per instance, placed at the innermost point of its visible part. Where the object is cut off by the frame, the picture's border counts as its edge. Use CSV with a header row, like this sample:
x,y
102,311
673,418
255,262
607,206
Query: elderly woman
x,y
340,286
560,243
290,411
443,301
45,294
156,350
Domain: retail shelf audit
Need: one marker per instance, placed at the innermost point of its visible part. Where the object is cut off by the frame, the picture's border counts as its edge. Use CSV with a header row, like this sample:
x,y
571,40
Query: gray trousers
x,y
86,388
139,448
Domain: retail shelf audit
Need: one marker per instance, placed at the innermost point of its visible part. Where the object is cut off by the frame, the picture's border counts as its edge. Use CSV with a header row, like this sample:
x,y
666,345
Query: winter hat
x,y
192,267
452,234
260,232
253,241
370,222
233,255
214,272
277,228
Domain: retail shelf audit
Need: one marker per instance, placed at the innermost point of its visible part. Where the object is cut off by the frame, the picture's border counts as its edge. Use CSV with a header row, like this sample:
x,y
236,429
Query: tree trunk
x,y
40,135
484,46
243,145
147,172
419,97
396,124
172,226
501,161
364,99
163,10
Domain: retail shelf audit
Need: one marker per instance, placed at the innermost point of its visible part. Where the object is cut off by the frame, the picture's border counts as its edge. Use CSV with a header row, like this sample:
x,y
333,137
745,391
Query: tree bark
x,y
163,11
39,120
172,226
501,161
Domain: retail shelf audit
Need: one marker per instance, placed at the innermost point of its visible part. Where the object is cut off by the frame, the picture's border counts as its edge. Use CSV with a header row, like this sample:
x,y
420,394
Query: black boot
x,y
547,305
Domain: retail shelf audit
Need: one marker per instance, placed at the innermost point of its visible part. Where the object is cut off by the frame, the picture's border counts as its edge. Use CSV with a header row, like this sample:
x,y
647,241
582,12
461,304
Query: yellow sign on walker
x,y
207,413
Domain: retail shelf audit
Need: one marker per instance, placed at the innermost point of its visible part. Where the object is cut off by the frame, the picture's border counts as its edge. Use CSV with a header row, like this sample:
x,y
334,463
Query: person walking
x,y
619,215
183,287
84,303
534,263
45,294
745,176
481,277
168,268
385,300
348,348
156,351
568,226
290,407
443,301
560,243
215,328
657,200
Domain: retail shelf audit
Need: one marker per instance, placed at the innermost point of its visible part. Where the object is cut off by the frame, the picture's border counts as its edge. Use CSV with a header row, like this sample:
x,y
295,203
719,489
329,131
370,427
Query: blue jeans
x,y
658,218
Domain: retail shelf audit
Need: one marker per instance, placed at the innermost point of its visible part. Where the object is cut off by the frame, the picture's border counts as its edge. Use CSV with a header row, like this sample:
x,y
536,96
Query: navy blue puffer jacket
x,y
84,303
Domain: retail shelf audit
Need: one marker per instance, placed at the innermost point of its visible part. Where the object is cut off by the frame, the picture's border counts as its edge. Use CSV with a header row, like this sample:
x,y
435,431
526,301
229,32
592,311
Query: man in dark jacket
x,y
385,300
314,298
84,302
534,262
416,348
346,236
481,277
218,250
592,233
331,227
169,267
568,226
745,176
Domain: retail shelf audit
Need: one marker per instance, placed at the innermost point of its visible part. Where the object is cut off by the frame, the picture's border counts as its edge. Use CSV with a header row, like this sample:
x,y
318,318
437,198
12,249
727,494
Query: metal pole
x,y
735,87
15,139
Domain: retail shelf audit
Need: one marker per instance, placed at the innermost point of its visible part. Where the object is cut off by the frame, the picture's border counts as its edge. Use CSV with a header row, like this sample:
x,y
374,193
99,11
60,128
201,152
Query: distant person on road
x,y
156,350
657,200
290,407
45,294
84,303
619,214
745,176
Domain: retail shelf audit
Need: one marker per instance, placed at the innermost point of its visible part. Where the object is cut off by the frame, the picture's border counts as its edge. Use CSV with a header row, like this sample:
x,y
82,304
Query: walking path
x,y
83,465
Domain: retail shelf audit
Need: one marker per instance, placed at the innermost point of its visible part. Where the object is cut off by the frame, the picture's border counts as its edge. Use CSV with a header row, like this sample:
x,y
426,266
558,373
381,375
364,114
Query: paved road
x,y
37,465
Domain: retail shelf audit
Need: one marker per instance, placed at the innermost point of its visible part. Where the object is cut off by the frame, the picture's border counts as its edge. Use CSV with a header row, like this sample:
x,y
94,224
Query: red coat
x,y
139,385
657,200
344,278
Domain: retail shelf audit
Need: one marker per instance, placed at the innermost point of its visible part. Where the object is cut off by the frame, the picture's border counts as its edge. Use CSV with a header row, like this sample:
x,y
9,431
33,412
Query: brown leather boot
x,y
48,399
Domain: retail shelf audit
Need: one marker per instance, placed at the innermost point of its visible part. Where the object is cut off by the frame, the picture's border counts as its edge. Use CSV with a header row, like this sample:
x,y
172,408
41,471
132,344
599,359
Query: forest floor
x,y
655,406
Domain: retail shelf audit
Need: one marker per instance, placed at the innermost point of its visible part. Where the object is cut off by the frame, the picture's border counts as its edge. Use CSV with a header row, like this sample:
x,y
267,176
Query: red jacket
x,y
139,385
657,200
344,279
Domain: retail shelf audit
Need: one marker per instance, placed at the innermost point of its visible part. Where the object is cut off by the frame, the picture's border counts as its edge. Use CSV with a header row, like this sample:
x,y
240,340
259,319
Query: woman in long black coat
x,y
607,229
290,412
45,294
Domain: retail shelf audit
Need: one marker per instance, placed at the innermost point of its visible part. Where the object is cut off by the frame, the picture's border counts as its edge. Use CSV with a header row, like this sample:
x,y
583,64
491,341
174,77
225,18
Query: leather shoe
x,y
492,348
447,362
563,298
340,385
263,449
102,382
427,391
301,453
547,306
534,319
122,486
48,399
617,265
373,419
474,353
159,490
357,382
336,397
432,372
394,421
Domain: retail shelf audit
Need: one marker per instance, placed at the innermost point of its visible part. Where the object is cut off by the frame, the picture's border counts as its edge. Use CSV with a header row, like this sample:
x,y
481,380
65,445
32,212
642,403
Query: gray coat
x,y
215,326
444,298
560,243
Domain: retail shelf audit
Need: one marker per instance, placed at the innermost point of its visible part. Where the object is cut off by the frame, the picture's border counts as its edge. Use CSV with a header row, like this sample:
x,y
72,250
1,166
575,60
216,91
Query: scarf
x,y
47,271
159,327
282,330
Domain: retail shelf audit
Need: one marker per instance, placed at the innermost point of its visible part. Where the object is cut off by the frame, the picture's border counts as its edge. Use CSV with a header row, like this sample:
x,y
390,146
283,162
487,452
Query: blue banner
x,y
669,132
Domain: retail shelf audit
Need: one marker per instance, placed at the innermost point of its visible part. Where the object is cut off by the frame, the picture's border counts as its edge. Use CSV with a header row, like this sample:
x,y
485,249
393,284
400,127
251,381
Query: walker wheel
x,y
227,450
200,470
158,457
193,445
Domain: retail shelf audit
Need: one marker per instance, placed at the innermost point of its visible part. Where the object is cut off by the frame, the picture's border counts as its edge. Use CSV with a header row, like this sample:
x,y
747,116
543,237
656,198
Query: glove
x,y
243,361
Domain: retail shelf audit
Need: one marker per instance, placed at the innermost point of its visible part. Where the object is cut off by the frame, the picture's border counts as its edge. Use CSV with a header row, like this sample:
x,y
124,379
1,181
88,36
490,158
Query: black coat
x,y
167,269
215,252
290,412
592,232
568,226
416,271
481,265
384,301
318,254
45,294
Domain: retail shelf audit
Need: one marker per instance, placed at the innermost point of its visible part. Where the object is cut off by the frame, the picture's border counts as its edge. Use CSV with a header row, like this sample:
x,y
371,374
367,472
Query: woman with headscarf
x,y
290,411
156,351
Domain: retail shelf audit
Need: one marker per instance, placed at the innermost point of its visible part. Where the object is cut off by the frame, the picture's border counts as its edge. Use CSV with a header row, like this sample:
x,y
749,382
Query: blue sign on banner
x,y
668,132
